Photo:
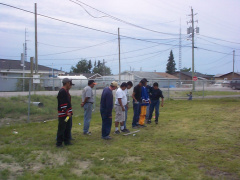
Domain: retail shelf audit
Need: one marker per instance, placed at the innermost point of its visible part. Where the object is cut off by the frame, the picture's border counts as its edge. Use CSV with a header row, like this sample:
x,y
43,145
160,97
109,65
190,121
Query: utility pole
x,y
180,53
119,56
192,31
233,63
36,48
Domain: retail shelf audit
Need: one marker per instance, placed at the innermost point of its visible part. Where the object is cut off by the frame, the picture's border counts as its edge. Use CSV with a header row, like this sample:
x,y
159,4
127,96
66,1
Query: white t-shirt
x,y
121,94
128,95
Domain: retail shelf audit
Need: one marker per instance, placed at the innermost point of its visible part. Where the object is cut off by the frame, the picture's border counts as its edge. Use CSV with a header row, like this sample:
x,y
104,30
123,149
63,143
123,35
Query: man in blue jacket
x,y
106,107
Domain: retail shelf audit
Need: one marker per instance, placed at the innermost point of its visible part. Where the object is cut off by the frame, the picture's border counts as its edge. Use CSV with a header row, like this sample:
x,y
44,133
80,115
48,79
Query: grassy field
x,y
197,139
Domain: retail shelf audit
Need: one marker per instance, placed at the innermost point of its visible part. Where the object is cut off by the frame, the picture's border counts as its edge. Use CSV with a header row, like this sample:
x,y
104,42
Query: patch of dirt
x,y
80,167
130,159
217,173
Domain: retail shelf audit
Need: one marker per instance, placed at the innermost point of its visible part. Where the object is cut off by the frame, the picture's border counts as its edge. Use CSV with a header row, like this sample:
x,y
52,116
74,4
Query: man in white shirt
x,y
129,86
120,103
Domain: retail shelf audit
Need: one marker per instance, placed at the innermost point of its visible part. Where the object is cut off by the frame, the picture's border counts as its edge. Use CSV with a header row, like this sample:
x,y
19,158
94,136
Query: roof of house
x,y
152,75
220,75
196,74
16,65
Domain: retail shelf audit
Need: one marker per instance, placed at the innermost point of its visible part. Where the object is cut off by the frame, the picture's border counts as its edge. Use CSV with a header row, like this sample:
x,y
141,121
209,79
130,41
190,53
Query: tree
x,y
100,68
185,69
171,64
82,66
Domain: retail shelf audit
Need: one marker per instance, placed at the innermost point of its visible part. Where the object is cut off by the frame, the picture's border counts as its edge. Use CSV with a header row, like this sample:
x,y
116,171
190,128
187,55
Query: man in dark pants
x,y
64,114
137,103
106,107
155,95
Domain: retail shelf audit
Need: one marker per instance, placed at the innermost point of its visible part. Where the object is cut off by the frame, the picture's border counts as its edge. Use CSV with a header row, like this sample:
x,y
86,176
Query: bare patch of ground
x,y
80,167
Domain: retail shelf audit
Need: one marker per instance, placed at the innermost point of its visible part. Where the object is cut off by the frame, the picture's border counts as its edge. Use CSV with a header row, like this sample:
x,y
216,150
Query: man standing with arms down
x,y
120,103
129,86
64,114
87,104
106,106
155,95
137,91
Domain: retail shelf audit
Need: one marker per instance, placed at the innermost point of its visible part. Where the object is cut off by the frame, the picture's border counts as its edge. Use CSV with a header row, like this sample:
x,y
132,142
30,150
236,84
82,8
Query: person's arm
x,y
85,100
120,102
64,103
162,102
133,96
162,97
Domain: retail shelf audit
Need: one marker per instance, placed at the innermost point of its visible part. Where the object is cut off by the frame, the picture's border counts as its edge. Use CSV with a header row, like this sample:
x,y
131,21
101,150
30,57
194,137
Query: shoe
x,y
87,133
149,121
125,130
107,138
142,126
68,144
135,127
156,122
117,132
59,146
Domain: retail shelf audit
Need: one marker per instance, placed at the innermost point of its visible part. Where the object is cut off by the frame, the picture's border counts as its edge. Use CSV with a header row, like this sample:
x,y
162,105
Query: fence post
x,y
203,88
168,89
95,94
29,99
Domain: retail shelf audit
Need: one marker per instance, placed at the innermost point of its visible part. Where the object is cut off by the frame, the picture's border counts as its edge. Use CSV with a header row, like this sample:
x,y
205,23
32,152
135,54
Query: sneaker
x,y
149,121
117,132
125,130
59,146
87,133
135,127
107,138
156,122
143,126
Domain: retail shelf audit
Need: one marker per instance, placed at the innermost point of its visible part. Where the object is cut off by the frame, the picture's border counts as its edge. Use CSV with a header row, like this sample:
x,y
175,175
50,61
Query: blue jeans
x,y
137,111
148,112
125,122
106,123
87,116
154,104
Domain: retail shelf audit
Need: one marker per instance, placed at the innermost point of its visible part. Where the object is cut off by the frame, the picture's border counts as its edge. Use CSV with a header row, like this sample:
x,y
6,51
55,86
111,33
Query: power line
x,y
220,39
80,48
120,20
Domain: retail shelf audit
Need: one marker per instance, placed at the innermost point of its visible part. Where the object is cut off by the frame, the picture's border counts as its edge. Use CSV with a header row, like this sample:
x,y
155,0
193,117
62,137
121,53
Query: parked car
x,y
226,83
218,84
235,84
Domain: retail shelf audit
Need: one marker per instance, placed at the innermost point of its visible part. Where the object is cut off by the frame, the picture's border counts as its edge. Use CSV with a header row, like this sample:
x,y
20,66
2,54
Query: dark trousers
x,y
137,111
64,130
106,124
154,104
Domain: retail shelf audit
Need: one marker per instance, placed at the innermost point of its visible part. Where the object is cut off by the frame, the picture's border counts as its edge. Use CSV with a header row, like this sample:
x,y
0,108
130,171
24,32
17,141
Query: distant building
x,y
13,68
187,76
87,75
164,79
228,76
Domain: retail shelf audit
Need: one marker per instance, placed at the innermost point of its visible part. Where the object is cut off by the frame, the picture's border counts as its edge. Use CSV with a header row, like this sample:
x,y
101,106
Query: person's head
x,y
67,83
91,83
190,92
155,85
123,86
146,81
142,83
129,84
114,85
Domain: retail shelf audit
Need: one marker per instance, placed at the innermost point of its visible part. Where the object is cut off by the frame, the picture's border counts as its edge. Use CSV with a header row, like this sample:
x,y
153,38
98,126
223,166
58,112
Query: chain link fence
x,y
34,99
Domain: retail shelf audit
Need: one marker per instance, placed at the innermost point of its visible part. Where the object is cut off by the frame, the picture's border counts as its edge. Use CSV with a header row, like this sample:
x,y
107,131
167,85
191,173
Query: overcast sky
x,y
62,45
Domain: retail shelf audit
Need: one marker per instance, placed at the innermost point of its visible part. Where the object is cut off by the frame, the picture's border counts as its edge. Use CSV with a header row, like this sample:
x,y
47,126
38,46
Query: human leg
x,y
136,110
61,130
142,115
87,116
157,110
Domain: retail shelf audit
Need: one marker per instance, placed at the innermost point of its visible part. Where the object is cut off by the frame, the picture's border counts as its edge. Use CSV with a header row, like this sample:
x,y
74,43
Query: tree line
x,y
85,66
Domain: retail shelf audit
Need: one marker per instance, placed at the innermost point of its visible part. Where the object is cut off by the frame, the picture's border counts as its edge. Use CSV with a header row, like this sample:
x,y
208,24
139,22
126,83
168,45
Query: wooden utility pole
x,y
233,63
36,48
193,88
119,56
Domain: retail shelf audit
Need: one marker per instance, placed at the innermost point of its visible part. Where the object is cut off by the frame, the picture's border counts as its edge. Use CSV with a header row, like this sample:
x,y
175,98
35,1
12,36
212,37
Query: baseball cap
x,y
91,82
66,80
144,79
114,83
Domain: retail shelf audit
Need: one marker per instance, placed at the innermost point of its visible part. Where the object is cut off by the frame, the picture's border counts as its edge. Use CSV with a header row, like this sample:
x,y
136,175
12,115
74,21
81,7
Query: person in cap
x,y
145,101
137,91
155,96
129,86
87,104
149,89
64,114
106,106
120,103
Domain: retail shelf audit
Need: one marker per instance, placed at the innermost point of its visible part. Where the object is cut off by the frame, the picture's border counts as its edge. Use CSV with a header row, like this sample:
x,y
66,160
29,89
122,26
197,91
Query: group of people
x,y
145,100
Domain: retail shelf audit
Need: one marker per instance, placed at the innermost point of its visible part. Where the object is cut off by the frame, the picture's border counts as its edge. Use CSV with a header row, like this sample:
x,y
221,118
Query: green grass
x,y
194,140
